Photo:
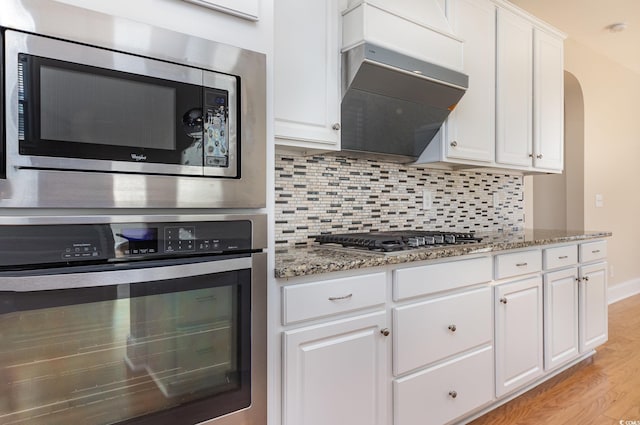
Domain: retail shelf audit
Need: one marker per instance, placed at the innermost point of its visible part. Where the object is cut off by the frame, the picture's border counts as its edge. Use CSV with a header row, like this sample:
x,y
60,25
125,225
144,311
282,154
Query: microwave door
x,y
84,108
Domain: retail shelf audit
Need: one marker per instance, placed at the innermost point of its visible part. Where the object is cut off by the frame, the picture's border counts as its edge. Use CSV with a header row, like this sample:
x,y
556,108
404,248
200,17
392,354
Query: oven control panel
x,y
84,243
179,239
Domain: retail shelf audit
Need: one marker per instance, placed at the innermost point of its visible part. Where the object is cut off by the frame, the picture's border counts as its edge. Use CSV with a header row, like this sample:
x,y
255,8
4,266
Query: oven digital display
x,y
143,240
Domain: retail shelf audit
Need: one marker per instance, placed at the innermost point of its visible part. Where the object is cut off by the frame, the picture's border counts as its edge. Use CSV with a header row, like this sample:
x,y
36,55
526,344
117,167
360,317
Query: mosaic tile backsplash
x,y
340,194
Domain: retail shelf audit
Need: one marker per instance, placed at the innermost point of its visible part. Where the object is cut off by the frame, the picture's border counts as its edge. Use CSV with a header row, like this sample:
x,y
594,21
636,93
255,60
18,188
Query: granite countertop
x,y
293,262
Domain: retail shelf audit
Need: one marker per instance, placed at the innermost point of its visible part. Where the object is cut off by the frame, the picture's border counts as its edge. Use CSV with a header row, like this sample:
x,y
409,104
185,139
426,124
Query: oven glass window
x,y
127,352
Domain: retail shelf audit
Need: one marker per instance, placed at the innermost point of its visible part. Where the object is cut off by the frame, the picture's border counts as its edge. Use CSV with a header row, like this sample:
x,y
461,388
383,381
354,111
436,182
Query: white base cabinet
x,y
335,373
444,392
576,308
561,317
438,342
593,306
518,337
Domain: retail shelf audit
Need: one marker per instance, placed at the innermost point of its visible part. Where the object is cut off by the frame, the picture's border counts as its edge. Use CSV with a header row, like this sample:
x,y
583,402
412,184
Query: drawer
x,y
318,299
591,251
518,263
439,328
561,256
424,280
443,393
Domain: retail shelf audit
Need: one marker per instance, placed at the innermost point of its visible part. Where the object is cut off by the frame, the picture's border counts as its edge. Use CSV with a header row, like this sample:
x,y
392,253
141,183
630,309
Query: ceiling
x,y
585,21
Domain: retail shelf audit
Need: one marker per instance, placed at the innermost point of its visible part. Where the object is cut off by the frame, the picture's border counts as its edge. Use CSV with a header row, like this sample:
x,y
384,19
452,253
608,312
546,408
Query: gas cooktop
x,y
398,240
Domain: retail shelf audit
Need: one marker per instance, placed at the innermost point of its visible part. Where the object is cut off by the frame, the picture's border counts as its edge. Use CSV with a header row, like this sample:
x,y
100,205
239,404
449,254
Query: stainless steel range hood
x,y
394,104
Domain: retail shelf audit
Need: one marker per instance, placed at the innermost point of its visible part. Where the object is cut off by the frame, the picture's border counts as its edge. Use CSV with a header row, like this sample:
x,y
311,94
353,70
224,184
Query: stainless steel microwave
x,y
135,116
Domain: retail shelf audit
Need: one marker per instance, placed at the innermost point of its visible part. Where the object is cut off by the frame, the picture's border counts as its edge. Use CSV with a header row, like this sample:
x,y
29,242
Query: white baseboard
x,y
623,290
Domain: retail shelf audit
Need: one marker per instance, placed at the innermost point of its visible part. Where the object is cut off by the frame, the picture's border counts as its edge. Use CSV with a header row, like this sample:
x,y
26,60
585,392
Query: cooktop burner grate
x,y
398,240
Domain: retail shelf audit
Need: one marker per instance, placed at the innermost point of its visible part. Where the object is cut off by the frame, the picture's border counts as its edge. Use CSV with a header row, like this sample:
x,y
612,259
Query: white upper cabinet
x,y
548,101
530,94
307,73
514,90
470,129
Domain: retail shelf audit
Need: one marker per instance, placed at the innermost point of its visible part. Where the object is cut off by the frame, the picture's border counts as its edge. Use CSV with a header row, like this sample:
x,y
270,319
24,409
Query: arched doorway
x,y
558,199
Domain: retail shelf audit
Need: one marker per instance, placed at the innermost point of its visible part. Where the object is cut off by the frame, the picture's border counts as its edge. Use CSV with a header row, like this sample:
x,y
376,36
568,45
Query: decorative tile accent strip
x,y
340,194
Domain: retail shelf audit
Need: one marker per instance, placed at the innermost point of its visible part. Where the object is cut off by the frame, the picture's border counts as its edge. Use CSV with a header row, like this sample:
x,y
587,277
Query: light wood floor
x,y
603,390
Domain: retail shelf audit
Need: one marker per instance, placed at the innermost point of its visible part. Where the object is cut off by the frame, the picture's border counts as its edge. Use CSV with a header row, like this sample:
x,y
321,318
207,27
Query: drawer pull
x,y
385,331
452,328
563,257
453,394
503,300
522,264
345,297
595,251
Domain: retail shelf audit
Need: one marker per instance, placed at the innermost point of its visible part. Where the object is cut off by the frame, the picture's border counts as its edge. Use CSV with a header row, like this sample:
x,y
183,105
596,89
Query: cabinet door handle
x,y
530,155
336,126
563,257
345,297
539,156
503,300
453,394
586,278
454,144
578,279
522,264
385,331
595,251
452,328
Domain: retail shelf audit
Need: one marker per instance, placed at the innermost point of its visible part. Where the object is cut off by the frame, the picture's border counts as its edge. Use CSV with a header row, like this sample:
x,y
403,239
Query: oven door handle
x,y
44,281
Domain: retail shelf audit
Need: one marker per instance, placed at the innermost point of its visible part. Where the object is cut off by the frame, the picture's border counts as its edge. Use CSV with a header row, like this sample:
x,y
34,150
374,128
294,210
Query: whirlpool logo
x,y
138,157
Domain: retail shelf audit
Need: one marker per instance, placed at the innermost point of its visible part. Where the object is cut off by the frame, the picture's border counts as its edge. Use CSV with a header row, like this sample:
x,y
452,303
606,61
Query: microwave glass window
x,y
98,109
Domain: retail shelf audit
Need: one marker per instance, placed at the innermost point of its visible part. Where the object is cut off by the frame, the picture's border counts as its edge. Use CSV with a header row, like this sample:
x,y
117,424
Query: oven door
x,y
85,108
154,344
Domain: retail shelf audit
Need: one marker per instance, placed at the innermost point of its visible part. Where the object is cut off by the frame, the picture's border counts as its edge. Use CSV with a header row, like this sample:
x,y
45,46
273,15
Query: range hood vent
x,y
396,94
394,104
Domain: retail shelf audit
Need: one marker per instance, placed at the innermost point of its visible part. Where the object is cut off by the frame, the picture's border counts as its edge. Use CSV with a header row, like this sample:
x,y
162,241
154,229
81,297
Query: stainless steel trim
x,y
415,74
47,281
71,52
35,188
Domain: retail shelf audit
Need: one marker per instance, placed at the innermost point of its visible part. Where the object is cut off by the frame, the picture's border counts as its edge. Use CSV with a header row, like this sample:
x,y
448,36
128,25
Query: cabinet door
x,y
307,73
471,126
514,83
560,317
518,333
336,373
593,306
548,101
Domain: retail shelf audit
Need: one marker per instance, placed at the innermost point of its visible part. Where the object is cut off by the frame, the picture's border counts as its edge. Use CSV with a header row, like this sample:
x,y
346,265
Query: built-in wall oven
x,y
102,112
140,320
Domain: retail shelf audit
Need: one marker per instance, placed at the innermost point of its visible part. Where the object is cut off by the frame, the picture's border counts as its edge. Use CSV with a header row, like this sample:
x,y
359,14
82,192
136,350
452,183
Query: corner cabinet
x,y
307,74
